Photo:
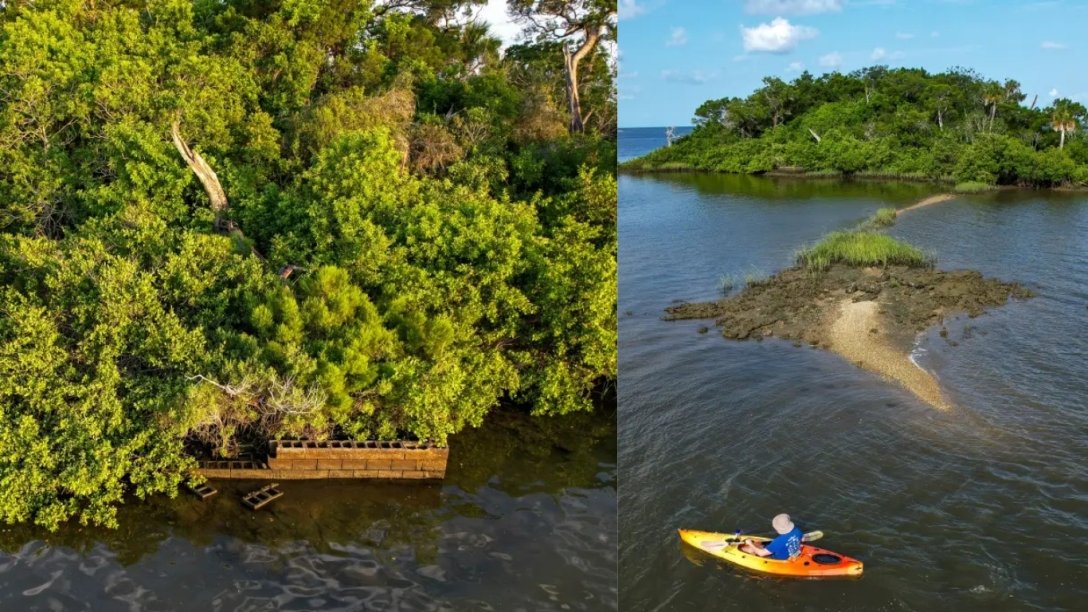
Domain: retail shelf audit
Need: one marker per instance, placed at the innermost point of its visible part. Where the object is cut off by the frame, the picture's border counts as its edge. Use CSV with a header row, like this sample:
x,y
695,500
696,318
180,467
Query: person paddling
x,y
786,546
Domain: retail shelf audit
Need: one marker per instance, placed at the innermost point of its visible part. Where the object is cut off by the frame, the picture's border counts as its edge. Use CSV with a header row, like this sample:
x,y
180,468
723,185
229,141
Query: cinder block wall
x,y
309,459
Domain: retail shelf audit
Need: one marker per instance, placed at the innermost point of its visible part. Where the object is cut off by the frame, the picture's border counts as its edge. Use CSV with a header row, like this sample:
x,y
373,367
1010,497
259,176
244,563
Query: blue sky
x,y
675,54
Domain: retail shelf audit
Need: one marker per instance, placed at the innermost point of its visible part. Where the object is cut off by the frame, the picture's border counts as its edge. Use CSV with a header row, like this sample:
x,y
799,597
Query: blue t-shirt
x,y
786,546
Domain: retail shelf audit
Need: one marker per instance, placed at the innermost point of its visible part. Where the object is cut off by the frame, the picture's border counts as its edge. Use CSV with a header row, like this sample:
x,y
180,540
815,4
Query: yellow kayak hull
x,y
813,562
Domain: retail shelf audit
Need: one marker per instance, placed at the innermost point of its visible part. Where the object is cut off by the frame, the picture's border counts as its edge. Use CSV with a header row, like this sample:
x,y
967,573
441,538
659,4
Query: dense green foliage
x,y
404,234
887,123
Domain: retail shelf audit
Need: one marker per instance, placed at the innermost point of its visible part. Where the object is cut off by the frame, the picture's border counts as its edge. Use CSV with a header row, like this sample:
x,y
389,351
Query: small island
x,y
883,123
861,294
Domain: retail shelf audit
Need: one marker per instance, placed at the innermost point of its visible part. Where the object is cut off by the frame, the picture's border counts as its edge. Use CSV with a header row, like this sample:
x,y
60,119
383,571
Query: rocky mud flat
x,y
870,316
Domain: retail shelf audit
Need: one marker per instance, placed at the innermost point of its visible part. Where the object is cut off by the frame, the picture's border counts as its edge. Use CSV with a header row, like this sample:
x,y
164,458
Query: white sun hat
x,y
782,523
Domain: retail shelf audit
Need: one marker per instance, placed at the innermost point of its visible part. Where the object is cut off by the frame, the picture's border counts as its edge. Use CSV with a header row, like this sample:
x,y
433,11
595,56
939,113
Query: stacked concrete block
x,y
233,468
358,459
310,459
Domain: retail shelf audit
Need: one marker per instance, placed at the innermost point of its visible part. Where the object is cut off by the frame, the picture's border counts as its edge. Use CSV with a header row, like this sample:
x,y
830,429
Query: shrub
x,y
972,187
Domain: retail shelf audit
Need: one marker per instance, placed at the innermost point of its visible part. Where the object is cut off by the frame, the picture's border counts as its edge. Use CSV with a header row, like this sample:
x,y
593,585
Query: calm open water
x,y
525,520
981,507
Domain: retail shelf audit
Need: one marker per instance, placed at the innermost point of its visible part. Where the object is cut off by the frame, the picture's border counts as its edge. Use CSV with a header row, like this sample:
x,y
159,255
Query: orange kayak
x,y
813,562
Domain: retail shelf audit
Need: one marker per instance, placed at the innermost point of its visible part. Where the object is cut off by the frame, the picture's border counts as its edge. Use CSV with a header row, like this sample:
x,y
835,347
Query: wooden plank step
x,y
203,491
255,500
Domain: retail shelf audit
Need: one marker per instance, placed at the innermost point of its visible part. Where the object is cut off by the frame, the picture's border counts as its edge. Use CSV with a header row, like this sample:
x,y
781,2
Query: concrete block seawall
x,y
310,459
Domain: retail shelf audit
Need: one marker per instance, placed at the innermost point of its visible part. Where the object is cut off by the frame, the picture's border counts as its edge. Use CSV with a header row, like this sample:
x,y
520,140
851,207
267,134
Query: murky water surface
x,y
525,520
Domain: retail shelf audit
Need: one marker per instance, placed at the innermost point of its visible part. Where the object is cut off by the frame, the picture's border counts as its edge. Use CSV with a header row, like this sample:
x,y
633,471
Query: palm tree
x,y
991,96
1063,118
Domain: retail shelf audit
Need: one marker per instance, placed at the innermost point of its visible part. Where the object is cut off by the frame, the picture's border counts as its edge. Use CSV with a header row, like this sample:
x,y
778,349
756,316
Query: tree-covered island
x,y
224,222
887,123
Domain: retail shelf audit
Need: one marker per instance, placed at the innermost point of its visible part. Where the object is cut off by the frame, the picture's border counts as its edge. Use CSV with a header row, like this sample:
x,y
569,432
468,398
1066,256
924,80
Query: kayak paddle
x,y
811,536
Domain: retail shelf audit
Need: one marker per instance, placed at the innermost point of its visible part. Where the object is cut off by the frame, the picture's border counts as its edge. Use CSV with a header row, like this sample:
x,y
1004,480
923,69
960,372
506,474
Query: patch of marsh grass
x,y
885,217
861,248
727,283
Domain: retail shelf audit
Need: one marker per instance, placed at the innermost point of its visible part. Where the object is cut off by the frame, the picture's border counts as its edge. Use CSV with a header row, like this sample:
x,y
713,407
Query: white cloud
x,y
679,38
499,22
628,9
1054,92
1049,44
795,67
831,60
778,36
904,35
691,78
792,7
878,53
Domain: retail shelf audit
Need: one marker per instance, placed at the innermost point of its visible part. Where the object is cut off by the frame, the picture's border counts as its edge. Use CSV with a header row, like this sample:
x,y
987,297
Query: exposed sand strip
x,y
850,335
931,200
838,309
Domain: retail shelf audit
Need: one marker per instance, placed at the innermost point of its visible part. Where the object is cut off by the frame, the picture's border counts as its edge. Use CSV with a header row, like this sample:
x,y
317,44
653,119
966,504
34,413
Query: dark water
x,y
981,507
525,520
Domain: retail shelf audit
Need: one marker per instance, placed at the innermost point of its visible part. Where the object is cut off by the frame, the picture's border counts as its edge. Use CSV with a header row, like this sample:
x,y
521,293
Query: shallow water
x,y
983,506
525,520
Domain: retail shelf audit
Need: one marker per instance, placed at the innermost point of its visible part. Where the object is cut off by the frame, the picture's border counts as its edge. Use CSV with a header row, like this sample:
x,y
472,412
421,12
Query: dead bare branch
x,y
203,172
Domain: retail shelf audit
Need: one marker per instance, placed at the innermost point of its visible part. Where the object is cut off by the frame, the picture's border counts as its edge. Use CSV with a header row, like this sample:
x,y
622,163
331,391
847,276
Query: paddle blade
x,y
812,536
722,544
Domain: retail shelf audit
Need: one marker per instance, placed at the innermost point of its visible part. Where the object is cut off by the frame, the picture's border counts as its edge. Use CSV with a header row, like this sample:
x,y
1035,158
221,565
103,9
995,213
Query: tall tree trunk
x,y
1061,143
204,173
993,112
571,61
574,102
940,120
